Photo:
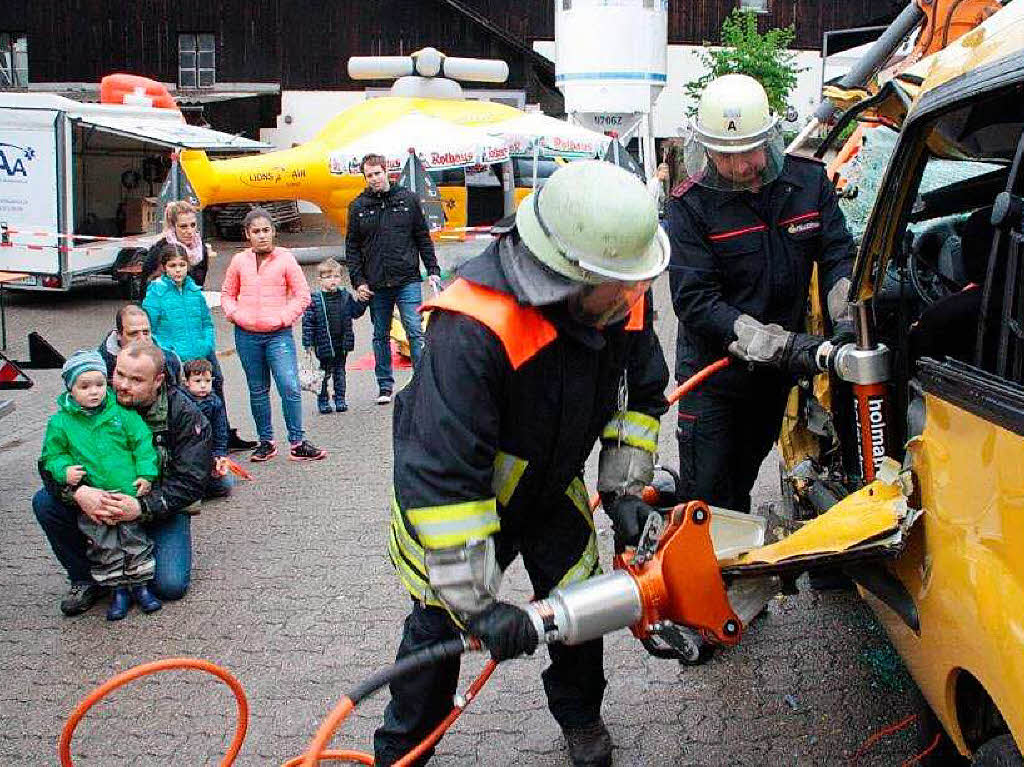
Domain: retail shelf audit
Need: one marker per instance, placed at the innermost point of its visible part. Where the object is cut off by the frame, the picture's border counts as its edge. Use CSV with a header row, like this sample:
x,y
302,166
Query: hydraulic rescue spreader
x,y
669,587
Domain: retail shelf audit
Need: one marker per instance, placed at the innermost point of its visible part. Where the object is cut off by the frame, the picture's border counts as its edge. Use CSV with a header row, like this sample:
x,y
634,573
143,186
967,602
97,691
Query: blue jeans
x,y
382,308
262,354
218,383
172,545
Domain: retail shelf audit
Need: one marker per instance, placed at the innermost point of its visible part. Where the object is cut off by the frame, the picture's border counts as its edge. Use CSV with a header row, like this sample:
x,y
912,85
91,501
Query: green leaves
x,y
746,51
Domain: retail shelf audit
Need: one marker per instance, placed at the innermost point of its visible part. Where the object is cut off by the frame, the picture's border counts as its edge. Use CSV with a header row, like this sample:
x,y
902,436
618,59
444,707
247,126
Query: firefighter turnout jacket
x,y
491,435
736,252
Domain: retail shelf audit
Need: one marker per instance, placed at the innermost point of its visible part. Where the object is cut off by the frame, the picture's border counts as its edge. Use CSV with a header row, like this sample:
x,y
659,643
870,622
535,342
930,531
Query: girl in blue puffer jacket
x,y
180,318
177,311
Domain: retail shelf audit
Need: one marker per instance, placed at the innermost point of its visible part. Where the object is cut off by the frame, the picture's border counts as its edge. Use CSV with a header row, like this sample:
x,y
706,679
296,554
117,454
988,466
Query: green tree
x,y
746,51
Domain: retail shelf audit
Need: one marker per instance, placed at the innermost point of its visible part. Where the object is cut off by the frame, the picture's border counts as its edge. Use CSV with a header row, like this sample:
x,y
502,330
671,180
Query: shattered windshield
x,y
866,170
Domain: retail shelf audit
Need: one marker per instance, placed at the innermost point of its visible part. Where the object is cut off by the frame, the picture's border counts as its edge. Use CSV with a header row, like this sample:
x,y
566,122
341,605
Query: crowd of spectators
x,y
149,401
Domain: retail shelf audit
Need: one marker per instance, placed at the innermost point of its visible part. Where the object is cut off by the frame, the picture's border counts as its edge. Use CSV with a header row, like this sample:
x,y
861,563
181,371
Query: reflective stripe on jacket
x,y
744,253
504,410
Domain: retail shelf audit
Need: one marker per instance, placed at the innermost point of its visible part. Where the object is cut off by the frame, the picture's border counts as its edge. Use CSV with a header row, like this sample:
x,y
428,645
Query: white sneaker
x,y
384,398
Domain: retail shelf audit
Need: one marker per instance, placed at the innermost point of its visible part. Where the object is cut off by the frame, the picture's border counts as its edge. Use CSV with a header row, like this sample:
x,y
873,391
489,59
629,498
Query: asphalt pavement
x,y
293,593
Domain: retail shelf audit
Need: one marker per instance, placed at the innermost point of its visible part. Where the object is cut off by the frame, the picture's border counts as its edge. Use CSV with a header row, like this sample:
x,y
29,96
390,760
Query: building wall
x,y
304,44
696,22
301,44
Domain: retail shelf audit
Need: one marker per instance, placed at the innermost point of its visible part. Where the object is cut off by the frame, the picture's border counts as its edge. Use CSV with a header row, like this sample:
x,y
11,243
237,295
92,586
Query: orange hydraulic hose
x,y
674,396
449,720
169,664
697,379
317,753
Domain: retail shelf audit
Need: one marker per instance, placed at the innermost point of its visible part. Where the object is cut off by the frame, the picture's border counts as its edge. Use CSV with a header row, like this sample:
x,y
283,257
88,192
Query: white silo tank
x,y
611,55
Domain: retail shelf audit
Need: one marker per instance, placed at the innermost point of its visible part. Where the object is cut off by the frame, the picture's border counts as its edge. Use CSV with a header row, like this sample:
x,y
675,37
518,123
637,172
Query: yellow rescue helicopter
x,y
425,122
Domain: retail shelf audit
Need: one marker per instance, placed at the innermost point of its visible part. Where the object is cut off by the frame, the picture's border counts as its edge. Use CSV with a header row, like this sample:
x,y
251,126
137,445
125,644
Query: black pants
x,y
723,441
557,543
333,368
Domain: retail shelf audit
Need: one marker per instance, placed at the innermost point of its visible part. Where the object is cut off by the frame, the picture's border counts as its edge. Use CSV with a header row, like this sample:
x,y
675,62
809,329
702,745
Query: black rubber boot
x,y
589,745
236,443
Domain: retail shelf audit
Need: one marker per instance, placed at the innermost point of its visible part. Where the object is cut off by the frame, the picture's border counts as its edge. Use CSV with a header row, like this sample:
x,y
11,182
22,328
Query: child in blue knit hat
x,y
93,439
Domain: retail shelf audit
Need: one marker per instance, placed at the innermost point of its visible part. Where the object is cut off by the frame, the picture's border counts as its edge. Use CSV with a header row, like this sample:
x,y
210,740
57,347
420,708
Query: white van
x,y
69,171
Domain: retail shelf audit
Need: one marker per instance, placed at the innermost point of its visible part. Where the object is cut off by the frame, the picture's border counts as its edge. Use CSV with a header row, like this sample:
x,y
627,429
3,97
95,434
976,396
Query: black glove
x,y
628,515
843,334
801,354
505,630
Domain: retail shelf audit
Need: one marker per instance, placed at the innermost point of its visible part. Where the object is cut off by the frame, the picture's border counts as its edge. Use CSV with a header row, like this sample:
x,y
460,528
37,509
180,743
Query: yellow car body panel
x,y
866,515
964,565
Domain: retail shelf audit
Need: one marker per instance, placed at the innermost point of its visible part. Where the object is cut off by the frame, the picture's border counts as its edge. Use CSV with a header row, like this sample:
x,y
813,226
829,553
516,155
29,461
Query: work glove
x,y
759,343
628,515
505,630
774,346
843,332
801,354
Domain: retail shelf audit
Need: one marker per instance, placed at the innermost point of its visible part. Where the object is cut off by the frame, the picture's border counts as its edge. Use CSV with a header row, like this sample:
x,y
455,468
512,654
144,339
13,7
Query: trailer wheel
x,y
1000,751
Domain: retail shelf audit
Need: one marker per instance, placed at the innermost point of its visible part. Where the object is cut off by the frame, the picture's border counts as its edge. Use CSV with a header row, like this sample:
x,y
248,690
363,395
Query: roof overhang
x,y
170,134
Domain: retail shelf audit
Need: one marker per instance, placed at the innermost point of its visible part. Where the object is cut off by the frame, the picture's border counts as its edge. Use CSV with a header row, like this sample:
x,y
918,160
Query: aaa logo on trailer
x,y
15,162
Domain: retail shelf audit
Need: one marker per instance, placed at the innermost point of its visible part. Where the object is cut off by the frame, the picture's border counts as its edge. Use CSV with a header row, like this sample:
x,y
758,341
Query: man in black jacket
x,y
386,239
543,346
746,227
182,437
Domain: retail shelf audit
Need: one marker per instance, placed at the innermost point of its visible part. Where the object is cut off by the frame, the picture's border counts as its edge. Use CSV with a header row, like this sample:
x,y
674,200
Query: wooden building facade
x,y
303,45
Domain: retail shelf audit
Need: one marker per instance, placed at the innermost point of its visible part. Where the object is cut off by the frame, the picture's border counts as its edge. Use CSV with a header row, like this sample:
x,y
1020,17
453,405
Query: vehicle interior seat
x,y
948,327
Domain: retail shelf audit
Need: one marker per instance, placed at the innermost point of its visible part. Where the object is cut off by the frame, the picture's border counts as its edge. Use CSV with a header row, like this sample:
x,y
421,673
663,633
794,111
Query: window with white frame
x,y
757,6
196,60
13,60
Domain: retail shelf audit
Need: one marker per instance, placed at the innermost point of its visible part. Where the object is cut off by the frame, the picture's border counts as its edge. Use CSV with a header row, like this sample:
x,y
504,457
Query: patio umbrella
x,y
535,134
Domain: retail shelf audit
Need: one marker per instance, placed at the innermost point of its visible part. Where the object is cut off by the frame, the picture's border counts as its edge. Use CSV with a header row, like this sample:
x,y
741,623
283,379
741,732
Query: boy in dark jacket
x,y
327,331
197,383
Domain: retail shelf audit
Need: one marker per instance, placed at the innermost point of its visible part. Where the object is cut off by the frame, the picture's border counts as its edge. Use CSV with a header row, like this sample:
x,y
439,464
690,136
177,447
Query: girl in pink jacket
x,y
264,294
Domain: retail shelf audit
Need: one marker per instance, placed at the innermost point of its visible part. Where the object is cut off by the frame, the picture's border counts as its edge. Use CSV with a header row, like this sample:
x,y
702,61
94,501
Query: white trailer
x,y
66,166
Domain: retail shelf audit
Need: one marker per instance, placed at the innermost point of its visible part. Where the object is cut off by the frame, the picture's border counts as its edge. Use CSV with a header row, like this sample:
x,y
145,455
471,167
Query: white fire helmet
x,y
735,142
594,222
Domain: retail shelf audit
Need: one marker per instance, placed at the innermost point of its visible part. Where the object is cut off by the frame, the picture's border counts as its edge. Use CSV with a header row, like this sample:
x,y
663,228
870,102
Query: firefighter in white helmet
x,y
543,346
746,227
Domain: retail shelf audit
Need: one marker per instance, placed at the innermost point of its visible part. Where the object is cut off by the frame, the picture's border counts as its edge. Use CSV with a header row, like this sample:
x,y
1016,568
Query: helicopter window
x,y
522,167
449,177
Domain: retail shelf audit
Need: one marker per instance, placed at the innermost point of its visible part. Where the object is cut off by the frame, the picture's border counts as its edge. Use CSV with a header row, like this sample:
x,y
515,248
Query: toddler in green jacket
x,y
92,439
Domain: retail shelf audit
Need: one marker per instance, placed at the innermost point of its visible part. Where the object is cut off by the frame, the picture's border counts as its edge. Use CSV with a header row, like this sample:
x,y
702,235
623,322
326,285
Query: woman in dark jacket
x,y
181,226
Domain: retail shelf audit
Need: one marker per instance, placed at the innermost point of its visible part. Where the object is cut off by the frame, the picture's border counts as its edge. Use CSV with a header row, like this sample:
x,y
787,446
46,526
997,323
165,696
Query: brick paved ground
x,y
292,591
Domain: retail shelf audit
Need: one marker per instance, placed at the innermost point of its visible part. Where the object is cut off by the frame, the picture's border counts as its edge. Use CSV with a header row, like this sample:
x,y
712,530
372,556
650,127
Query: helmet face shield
x,y
746,167
605,304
